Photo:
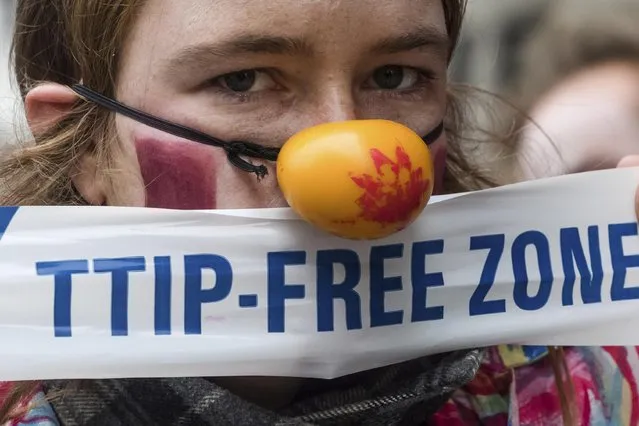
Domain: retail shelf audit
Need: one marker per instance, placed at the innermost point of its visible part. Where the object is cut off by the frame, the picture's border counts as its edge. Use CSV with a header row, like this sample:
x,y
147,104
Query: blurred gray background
x,y
7,97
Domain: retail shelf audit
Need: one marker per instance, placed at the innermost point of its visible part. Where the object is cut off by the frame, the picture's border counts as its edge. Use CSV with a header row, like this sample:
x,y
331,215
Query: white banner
x,y
99,292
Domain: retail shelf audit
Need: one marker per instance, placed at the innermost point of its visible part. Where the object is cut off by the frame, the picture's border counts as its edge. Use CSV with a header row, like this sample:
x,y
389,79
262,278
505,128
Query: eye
x,y
394,77
246,81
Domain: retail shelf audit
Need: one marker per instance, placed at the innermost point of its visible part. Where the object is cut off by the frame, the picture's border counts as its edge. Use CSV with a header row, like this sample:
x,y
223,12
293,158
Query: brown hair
x,y
64,41
67,41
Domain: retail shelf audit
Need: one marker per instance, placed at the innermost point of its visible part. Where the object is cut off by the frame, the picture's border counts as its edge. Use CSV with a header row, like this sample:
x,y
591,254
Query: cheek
x,y
438,152
177,174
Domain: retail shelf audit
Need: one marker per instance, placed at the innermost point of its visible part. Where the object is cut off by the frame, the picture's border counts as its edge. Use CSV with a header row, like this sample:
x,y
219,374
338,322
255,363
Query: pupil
x,y
241,81
389,77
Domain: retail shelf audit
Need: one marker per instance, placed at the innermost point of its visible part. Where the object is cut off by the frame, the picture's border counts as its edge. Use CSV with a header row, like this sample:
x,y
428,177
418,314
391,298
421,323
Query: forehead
x,y
170,25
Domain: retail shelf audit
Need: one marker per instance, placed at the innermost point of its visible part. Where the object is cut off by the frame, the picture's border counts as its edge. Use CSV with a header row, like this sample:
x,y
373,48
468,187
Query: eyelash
x,y
214,85
425,77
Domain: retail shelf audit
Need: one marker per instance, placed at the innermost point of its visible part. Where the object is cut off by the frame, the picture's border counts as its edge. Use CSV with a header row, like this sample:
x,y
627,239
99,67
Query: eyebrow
x,y
418,38
203,54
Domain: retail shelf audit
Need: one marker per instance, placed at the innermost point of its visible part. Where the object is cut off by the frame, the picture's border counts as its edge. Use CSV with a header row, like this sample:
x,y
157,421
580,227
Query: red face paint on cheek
x,y
177,174
439,164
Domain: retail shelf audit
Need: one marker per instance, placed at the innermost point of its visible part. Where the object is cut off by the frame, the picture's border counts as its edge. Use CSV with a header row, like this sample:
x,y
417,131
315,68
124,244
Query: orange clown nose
x,y
361,179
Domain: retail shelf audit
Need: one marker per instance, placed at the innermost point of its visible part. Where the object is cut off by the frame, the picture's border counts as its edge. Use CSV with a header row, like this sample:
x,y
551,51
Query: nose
x,y
329,100
332,103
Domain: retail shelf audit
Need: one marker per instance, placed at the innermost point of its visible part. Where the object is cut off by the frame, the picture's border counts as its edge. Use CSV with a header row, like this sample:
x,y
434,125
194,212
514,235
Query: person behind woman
x,y
257,72
579,81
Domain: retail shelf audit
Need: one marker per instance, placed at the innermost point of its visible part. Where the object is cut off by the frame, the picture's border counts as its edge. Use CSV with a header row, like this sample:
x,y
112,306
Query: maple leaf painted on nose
x,y
396,190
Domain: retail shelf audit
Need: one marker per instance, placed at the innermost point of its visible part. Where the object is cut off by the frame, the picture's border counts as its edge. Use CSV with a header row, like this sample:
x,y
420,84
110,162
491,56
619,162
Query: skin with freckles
x,y
269,70
261,71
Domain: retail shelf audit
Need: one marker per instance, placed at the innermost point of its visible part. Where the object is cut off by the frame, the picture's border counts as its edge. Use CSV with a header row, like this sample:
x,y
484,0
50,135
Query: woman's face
x,y
261,71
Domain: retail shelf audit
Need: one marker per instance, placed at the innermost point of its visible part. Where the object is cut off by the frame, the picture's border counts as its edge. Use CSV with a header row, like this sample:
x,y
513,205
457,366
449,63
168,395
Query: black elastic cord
x,y
434,134
235,150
